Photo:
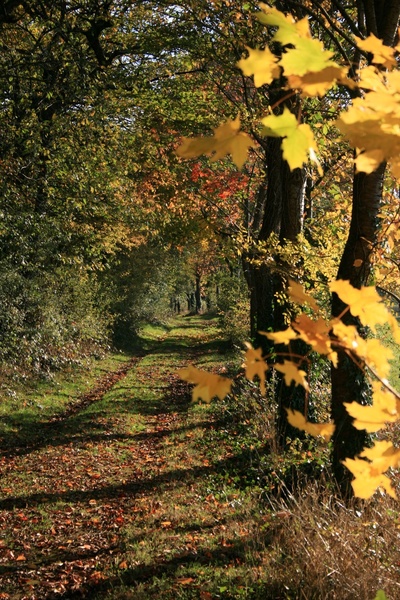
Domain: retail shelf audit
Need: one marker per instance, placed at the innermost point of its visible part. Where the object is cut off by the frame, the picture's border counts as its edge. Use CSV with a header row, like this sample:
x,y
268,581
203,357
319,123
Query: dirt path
x,y
113,500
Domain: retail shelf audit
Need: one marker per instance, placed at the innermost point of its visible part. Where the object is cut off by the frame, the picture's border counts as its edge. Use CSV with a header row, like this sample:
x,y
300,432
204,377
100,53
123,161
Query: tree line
x,y
102,223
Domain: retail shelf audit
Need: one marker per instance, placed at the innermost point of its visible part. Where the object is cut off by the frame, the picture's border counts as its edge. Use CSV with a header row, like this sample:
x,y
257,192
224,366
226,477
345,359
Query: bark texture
x,y
348,381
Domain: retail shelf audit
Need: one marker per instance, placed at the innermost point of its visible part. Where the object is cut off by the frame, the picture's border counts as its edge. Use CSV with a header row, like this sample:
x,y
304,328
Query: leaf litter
x,y
68,502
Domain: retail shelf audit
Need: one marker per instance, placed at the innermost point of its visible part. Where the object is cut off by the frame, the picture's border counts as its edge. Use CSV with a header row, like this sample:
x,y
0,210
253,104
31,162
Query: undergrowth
x,y
144,495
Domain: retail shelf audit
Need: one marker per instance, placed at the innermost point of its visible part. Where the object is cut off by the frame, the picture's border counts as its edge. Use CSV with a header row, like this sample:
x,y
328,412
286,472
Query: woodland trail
x,y
112,498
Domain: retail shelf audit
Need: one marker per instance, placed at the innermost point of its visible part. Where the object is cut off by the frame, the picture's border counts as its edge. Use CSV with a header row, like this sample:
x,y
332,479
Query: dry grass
x,y
324,549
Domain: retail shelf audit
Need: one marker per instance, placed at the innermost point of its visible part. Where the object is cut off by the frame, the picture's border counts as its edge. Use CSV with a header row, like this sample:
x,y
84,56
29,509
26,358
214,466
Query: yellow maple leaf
x,y
369,160
371,123
370,78
369,473
376,355
366,480
307,56
347,335
260,63
316,334
364,303
299,296
370,351
297,419
298,144
255,365
292,373
208,385
227,139
382,55
288,30
317,83
374,417
280,125
280,337
383,455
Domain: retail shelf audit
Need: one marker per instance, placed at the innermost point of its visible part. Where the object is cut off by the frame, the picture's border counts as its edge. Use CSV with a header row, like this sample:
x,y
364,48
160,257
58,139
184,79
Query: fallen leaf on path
x,y
186,581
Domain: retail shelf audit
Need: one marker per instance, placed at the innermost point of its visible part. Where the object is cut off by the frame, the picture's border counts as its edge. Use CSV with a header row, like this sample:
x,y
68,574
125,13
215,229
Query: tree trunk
x,y
197,292
348,381
293,204
283,216
380,17
259,275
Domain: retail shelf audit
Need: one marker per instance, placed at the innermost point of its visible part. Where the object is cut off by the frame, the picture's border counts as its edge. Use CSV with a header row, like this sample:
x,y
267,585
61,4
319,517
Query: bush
x,y
50,320
233,308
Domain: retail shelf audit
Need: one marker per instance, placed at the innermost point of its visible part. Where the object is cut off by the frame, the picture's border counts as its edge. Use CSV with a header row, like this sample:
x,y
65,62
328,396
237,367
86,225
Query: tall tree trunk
x,y
282,216
198,291
293,207
380,17
258,274
348,381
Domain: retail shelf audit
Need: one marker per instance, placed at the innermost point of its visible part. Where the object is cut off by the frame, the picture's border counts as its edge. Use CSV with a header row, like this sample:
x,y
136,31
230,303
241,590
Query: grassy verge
x,y
143,495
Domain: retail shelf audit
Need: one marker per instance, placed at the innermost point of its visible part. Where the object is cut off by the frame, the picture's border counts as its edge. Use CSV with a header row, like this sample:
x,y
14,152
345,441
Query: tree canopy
x,y
112,211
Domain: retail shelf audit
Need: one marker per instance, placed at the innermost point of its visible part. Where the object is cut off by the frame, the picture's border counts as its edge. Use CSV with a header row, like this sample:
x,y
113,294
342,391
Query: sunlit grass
x,y
145,495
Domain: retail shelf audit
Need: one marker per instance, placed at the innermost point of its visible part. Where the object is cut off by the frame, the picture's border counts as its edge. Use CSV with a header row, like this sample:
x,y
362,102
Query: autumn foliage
x,y
370,124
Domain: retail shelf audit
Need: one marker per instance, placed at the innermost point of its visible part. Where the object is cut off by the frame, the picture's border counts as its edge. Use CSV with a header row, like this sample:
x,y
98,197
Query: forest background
x,y
104,227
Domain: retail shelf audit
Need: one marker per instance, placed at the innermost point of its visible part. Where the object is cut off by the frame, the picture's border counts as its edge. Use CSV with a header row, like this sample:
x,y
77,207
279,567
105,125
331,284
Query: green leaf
x,y
279,125
288,29
298,138
308,56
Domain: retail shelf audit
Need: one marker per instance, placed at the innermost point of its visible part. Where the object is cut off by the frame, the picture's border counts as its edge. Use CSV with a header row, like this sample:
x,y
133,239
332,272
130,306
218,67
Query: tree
x,y
76,80
367,185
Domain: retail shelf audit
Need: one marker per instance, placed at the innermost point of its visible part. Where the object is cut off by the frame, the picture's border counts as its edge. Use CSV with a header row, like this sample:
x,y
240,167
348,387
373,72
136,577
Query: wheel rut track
x,y
95,394
97,503
104,385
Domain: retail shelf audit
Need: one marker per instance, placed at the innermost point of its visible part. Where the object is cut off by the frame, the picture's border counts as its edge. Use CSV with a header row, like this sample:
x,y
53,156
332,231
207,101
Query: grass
x,y
141,494
24,406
